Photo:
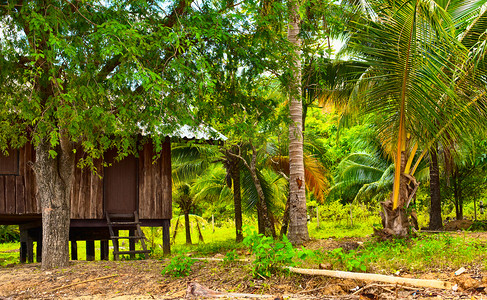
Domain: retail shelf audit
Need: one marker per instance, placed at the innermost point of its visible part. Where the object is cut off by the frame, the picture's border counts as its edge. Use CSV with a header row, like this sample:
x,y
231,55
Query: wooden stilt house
x,y
128,194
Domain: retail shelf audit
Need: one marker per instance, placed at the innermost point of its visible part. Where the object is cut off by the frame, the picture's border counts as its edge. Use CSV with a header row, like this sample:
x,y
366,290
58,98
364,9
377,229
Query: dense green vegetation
x,y
392,124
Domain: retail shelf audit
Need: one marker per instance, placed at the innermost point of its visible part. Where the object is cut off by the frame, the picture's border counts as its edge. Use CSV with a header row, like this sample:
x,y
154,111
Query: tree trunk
x,y
435,209
260,219
298,223
285,220
457,195
54,178
396,221
265,222
188,230
237,197
262,205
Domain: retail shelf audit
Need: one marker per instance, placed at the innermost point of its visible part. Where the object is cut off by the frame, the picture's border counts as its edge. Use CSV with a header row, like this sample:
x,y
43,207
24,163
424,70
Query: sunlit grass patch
x,y
441,252
9,253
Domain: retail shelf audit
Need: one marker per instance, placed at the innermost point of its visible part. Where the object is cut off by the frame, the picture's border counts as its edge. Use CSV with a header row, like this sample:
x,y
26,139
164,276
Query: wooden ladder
x,y
130,222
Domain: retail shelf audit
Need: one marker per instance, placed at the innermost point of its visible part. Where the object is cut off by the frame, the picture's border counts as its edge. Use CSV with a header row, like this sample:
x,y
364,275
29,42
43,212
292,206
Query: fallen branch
x,y
81,282
438,284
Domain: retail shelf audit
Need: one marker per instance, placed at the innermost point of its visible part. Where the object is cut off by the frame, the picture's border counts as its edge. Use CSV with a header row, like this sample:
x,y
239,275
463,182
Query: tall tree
x,y
415,57
298,222
95,75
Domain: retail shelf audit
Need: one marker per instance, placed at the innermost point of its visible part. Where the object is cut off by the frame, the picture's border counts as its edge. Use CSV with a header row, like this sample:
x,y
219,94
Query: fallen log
x,y
437,284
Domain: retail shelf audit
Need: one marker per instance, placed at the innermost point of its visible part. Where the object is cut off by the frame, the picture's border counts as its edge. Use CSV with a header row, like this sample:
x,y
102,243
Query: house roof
x,y
187,132
201,132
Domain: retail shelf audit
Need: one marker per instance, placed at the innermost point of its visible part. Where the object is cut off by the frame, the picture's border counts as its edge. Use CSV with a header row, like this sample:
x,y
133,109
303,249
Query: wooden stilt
x,y
74,250
39,249
90,250
132,243
166,237
104,250
30,249
23,252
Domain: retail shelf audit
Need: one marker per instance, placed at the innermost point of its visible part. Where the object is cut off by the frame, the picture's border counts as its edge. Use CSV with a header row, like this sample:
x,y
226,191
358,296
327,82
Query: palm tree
x,y
298,227
186,202
363,176
414,57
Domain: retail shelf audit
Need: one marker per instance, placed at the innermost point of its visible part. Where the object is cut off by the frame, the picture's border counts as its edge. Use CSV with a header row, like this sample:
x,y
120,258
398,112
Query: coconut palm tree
x,y
416,82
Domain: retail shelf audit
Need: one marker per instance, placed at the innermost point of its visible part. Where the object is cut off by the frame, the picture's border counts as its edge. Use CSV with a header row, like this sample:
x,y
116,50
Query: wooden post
x,y
90,250
74,250
116,256
23,245
39,249
30,249
166,237
23,251
132,243
104,250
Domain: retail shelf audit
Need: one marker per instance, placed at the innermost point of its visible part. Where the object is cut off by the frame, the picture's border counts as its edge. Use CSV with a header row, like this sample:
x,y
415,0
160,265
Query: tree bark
x,y
285,220
237,200
265,222
262,205
54,178
435,209
396,221
232,164
298,227
187,229
457,194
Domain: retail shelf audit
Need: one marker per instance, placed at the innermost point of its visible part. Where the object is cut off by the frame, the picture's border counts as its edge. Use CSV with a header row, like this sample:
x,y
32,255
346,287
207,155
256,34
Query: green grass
x,y
10,257
441,252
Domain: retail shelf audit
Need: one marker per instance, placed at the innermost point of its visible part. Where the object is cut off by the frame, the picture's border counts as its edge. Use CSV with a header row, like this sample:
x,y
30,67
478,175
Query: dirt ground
x,y
142,279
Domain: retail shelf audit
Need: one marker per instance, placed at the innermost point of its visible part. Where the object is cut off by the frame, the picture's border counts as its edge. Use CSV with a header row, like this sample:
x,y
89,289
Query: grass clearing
x,y
9,254
425,253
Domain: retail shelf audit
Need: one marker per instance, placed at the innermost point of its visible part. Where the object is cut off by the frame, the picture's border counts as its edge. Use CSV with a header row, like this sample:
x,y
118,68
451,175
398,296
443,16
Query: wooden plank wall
x,y
17,192
87,192
155,184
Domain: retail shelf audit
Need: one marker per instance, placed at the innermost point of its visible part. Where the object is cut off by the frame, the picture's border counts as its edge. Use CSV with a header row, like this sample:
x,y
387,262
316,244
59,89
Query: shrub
x,y
9,234
271,255
179,265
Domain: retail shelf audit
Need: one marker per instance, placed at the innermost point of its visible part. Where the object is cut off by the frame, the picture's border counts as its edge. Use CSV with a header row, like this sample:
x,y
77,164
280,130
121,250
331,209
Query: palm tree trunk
x,y
237,198
396,221
188,230
267,222
435,209
457,195
298,223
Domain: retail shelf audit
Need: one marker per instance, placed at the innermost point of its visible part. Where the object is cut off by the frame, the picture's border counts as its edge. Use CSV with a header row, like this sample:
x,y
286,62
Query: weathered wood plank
x,y
158,188
10,194
19,195
166,181
19,184
85,188
144,182
29,179
3,208
75,204
98,189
